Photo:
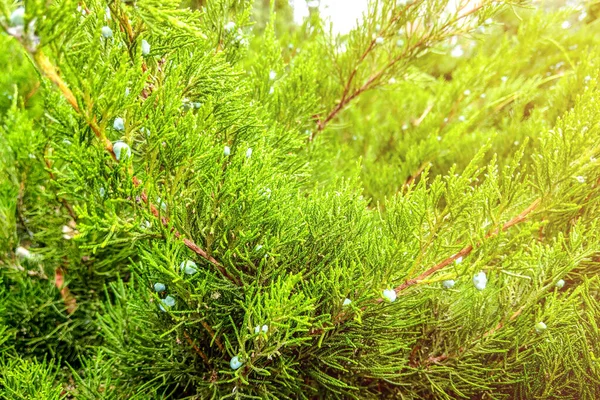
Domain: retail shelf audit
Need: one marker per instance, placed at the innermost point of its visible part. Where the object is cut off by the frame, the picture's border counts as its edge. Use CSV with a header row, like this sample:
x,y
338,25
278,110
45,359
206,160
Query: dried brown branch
x,y
69,300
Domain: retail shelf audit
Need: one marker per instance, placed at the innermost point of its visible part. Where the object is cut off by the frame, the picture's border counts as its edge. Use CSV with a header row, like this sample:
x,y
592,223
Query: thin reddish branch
x,y
32,92
501,324
465,251
196,249
321,124
345,99
416,174
211,332
188,242
437,359
196,348
59,280
63,201
426,112
342,316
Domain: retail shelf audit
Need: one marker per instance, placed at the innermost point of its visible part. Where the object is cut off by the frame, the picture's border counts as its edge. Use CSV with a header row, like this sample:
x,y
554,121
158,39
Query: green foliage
x,y
25,379
282,181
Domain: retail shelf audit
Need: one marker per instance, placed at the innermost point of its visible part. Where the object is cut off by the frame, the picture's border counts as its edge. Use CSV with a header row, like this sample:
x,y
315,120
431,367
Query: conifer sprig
x,y
423,41
50,71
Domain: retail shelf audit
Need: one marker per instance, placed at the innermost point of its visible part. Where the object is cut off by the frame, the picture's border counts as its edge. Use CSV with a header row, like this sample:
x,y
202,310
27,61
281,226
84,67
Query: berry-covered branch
x,y
465,251
46,67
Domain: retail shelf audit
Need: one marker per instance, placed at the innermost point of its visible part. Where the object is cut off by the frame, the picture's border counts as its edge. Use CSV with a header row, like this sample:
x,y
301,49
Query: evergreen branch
x,y
50,71
408,51
344,100
321,332
465,251
43,64
341,317
126,26
63,201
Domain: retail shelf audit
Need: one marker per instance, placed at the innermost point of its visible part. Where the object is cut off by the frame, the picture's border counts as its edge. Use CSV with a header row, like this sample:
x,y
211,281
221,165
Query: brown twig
x,y
437,359
20,206
125,24
465,251
345,99
31,93
196,348
59,280
501,324
426,112
63,201
416,174
189,243
213,336
49,70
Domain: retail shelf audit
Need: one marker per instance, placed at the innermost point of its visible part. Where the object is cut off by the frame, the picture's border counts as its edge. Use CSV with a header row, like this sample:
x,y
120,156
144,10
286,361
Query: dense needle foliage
x,y
213,202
